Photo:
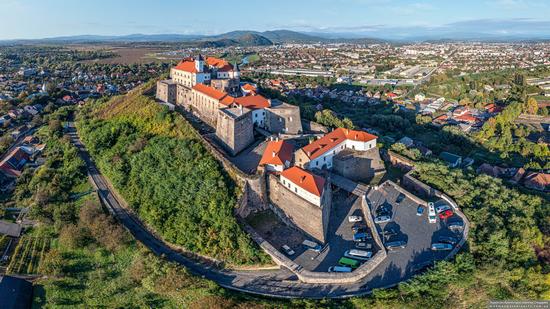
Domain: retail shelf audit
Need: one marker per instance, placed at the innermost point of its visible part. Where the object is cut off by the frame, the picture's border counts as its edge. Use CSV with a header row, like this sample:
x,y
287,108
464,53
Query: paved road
x,y
280,283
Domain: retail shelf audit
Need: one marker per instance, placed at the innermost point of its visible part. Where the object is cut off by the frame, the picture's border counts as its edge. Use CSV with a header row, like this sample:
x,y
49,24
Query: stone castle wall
x,y
294,210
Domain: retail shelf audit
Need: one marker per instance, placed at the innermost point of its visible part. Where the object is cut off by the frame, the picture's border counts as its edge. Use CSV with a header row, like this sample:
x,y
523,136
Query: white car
x,y
355,218
442,208
339,269
382,219
288,250
431,213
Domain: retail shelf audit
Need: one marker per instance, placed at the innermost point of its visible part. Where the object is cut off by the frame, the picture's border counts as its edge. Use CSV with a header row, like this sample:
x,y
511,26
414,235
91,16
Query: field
x,y
128,54
28,254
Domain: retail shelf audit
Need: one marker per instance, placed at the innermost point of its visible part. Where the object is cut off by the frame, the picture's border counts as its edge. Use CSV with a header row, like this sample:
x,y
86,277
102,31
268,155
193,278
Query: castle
x,y
211,89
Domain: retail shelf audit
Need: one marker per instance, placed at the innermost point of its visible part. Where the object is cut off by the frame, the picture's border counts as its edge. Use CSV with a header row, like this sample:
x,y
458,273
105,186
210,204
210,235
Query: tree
x,y
532,106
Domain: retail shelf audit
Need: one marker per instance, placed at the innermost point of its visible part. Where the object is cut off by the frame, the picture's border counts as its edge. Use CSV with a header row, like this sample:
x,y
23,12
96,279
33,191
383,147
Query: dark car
x,y
448,240
363,245
395,245
390,232
400,198
419,210
455,226
360,237
359,228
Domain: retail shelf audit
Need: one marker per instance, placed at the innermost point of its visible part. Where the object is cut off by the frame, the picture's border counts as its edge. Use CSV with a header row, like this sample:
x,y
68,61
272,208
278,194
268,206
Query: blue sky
x,y
48,18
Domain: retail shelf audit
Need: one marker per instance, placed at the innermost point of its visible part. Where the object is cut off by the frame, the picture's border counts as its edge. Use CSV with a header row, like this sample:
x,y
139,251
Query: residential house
x,y
537,181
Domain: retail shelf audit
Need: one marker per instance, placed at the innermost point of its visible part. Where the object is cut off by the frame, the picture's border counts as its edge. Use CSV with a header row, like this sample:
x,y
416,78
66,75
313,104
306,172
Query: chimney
x,y
269,102
241,109
302,179
273,153
347,131
309,153
276,138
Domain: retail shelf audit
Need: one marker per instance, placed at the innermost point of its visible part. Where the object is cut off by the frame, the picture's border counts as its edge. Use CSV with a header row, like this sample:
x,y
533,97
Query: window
x,y
284,182
296,190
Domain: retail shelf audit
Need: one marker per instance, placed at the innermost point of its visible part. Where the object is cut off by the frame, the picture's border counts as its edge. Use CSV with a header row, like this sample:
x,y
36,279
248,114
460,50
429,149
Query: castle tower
x,y
236,71
199,63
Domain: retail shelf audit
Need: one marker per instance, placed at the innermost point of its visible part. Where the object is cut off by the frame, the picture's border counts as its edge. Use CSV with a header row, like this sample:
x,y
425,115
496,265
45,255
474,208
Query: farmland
x,y
27,255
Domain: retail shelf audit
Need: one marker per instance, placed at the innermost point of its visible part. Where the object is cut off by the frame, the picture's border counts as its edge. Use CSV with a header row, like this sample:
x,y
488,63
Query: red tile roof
x,y
329,141
311,183
253,101
217,62
277,153
539,181
227,100
466,118
210,91
492,108
187,66
249,87
11,163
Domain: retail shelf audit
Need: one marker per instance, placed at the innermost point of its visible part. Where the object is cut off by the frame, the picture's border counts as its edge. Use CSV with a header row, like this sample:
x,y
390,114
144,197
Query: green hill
x,y
157,163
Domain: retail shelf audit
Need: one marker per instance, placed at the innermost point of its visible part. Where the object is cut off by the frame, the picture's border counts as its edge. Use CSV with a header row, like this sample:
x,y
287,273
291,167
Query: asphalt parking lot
x,y
407,226
340,235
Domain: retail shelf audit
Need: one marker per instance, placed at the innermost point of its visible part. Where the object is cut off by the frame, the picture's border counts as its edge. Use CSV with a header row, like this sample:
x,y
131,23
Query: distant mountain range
x,y
233,38
487,30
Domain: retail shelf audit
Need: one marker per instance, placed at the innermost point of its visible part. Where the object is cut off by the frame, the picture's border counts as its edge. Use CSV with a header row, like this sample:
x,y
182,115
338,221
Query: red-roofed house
x,y
305,184
277,156
13,163
466,118
319,153
249,89
537,181
493,109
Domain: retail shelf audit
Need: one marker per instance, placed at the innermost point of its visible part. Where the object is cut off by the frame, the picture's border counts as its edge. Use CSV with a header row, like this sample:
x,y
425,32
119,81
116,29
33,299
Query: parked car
x,y
395,245
448,239
382,219
400,198
312,245
441,246
355,218
442,208
359,228
358,254
445,214
287,250
419,210
360,237
455,225
389,232
363,245
431,213
339,269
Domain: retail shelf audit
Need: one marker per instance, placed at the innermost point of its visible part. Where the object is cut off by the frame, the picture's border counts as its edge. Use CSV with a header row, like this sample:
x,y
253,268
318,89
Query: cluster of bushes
x,y
163,171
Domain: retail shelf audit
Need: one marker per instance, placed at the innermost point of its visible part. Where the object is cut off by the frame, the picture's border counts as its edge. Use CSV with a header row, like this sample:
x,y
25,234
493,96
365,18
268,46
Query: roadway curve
x,y
281,283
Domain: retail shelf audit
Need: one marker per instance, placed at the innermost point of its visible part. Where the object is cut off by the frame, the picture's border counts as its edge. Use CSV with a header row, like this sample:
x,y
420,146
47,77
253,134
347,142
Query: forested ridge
x,y
158,164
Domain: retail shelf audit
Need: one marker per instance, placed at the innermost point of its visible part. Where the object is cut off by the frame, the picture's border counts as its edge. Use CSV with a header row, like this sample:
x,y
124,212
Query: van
x,y
312,245
349,262
358,254
339,269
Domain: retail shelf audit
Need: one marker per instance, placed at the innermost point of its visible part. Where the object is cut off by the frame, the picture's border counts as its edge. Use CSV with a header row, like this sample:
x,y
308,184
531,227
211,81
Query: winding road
x,y
280,283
